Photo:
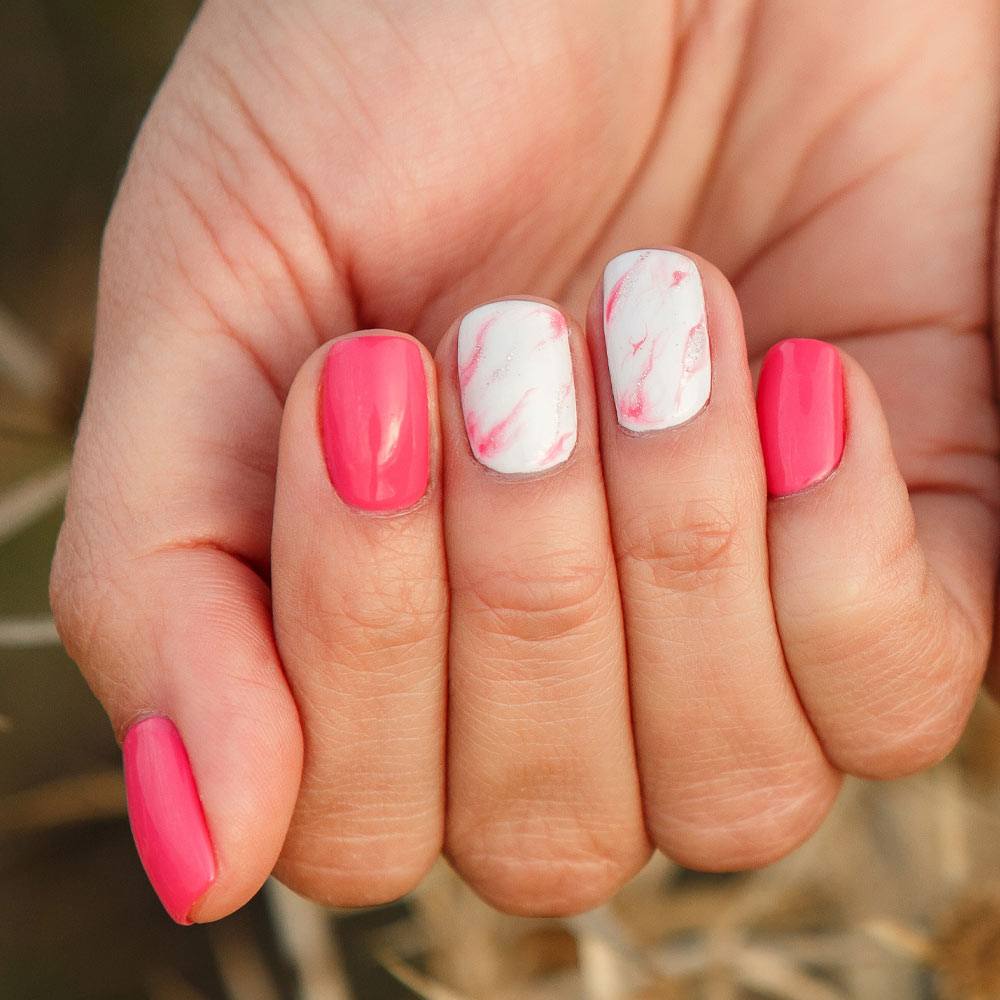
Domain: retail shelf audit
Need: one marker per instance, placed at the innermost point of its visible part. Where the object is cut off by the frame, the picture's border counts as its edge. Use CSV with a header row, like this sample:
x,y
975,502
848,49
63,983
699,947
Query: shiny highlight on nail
x,y
375,423
166,816
800,412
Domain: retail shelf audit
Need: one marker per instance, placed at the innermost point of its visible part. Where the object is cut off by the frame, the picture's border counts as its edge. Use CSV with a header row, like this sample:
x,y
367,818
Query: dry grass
x,y
898,896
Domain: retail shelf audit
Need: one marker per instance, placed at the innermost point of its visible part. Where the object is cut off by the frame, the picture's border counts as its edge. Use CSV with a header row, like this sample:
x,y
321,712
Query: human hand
x,y
315,168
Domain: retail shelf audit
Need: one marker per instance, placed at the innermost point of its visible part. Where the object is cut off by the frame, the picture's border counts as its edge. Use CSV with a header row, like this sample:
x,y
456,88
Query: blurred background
x,y
898,896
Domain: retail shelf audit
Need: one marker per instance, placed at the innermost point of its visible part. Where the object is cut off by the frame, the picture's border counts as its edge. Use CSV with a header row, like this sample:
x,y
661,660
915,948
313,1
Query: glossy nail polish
x,y
800,412
375,422
656,337
166,816
515,375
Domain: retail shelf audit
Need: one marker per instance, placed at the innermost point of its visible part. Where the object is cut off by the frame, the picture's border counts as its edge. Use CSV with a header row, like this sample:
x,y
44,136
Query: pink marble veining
x,y
515,373
656,337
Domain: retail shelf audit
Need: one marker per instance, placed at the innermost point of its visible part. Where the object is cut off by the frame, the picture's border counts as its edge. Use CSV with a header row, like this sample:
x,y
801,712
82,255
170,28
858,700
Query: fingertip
x,y
212,746
879,593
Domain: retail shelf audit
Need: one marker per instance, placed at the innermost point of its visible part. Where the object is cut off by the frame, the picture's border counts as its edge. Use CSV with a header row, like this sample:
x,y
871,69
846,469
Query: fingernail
x,y
656,336
375,422
166,816
800,412
515,373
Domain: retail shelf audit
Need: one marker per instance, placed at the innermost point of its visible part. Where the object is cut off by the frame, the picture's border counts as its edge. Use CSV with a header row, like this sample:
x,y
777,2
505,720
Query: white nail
x,y
516,378
657,339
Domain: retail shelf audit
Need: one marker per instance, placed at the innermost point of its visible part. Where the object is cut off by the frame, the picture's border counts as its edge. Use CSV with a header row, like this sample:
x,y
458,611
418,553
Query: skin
x,y
315,168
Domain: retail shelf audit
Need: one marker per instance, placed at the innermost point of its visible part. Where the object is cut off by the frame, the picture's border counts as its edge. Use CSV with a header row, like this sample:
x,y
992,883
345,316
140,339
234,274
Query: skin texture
x,y
314,168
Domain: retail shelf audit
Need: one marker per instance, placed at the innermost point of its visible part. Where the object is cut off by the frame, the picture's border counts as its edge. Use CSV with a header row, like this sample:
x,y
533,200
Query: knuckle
x,y
392,613
73,594
371,880
690,548
62,592
551,878
916,734
358,842
543,889
541,598
922,671
865,597
747,823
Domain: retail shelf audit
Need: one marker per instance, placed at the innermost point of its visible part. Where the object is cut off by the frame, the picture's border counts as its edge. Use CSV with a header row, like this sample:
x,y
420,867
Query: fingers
x,y
732,774
842,624
884,600
155,597
360,611
543,803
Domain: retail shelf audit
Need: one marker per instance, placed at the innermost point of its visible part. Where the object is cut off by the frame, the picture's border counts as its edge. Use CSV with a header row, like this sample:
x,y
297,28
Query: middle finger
x,y
544,813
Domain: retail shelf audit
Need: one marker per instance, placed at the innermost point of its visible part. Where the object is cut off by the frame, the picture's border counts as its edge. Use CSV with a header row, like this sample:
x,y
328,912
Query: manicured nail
x,y
656,336
165,813
515,373
800,411
375,423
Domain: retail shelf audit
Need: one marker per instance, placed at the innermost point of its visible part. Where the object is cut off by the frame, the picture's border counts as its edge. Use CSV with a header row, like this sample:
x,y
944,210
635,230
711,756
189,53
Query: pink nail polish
x,y
166,816
800,412
375,422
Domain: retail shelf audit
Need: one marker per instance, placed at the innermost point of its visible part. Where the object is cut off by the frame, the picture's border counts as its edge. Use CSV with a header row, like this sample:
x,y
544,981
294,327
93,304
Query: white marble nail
x,y
515,373
656,337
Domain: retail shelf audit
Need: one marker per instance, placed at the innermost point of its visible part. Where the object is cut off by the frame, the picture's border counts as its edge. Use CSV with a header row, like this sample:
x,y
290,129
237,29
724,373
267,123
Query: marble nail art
x,y
656,337
515,374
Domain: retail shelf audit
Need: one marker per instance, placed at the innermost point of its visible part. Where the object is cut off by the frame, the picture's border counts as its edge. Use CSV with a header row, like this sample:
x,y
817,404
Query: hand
x,y
315,168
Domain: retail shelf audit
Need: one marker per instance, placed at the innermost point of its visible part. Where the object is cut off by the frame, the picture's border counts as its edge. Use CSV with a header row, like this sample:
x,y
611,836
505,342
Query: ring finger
x,y
732,773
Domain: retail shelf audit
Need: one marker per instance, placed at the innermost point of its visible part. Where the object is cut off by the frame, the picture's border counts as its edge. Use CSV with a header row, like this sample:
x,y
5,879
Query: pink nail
x,y
375,422
800,412
166,816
